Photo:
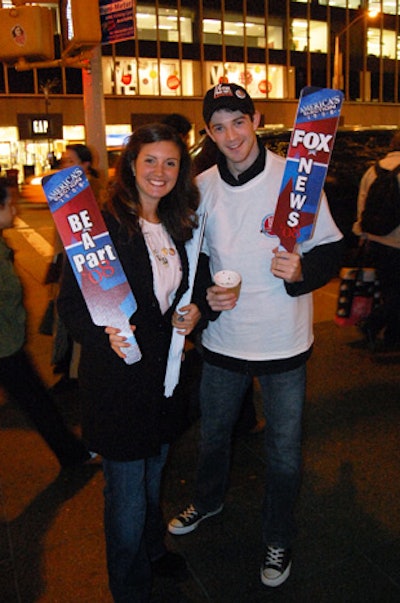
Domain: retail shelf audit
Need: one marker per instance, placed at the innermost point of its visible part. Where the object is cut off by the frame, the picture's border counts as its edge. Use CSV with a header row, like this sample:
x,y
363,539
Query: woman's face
x,y
8,212
70,158
156,169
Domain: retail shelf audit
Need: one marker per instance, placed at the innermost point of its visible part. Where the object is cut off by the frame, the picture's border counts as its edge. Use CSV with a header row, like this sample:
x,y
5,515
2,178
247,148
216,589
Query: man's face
x,y
234,134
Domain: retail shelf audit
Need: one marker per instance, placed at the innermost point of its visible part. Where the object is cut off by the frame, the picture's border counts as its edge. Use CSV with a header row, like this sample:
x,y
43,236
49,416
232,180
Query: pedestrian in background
x,y
181,124
126,418
265,333
384,252
80,154
18,375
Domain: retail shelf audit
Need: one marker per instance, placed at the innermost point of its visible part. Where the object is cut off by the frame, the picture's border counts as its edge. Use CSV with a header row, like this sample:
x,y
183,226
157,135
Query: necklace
x,y
160,251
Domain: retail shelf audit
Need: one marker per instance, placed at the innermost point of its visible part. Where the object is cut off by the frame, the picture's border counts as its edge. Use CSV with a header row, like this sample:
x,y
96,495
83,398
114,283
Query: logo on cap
x,y
240,93
222,90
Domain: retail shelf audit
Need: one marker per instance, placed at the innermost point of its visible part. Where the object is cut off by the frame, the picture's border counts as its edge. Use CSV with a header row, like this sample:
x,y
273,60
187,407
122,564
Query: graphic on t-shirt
x,y
266,225
91,253
308,156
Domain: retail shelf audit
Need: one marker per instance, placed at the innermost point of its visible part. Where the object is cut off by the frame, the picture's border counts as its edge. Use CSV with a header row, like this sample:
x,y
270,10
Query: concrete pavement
x,y
348,546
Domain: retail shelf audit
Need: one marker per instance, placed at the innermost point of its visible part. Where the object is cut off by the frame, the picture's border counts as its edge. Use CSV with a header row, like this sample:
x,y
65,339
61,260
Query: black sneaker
x,y
189,519
276,567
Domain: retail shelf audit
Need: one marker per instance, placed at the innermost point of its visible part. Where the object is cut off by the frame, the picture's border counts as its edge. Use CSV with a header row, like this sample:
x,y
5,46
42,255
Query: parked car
x,y
31,189
356,148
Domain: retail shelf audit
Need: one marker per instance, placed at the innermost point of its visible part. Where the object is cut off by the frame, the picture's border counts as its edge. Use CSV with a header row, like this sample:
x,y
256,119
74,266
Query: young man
x,y
266,332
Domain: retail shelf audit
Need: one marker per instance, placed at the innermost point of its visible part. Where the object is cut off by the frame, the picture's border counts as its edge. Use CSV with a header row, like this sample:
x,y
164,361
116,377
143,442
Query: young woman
x,y
126,419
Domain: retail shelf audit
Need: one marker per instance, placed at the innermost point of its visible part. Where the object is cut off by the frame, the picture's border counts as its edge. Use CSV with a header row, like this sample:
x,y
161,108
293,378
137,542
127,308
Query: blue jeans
x,y
133,524
221,396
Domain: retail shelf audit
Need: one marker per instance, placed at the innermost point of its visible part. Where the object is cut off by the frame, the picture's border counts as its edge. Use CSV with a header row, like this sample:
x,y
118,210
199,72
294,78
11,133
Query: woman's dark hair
x,y
177,210
85,155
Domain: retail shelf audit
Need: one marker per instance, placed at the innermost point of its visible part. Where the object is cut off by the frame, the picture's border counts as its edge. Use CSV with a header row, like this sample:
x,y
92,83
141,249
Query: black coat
x,y
124,413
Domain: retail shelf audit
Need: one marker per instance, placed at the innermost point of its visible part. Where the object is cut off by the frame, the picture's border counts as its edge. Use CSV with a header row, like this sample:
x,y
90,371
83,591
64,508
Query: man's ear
x,y
208,131
256,119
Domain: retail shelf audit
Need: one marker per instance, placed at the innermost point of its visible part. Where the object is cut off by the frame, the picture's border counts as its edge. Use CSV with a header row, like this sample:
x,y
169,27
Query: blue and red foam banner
x,y
307,161
91,253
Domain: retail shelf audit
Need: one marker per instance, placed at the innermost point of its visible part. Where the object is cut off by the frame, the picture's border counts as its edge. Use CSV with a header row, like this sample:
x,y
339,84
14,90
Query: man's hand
x,y
220,298
286,266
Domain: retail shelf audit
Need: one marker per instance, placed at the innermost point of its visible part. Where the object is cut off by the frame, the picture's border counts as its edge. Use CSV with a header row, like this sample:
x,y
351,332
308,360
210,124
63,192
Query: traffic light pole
x,y
94,110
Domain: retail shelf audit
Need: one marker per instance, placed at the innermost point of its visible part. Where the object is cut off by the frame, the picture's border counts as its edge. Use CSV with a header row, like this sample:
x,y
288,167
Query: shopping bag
x,y
359,294
359,289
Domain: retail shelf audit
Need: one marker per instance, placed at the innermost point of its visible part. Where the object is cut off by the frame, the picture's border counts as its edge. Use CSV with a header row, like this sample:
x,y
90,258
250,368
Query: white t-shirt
x,y
267,323
165,262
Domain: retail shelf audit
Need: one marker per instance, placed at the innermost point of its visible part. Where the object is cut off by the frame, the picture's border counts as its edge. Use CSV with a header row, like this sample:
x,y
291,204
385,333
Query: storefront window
x,y
74,133
126,79
123,76
254,78
317,39
8,148
117,135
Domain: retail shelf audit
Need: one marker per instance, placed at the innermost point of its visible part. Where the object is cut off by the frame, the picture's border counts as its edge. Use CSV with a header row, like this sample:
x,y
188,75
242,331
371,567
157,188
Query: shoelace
x,y
189,512
274,556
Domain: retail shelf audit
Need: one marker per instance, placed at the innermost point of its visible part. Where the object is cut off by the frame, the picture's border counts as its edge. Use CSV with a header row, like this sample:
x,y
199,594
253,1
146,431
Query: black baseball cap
x,y
227,96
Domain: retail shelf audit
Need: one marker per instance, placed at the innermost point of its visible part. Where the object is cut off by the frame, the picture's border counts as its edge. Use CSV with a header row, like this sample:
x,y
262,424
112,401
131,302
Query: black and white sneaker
x,y
276,567
189,519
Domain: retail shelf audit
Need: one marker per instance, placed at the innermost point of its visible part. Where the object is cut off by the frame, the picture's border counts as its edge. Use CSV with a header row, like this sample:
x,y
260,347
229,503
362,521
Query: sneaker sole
x,y
178,531
279,580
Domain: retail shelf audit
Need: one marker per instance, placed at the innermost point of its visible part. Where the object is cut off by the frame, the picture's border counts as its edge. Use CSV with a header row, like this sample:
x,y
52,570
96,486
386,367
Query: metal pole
x,y
94,110
337,66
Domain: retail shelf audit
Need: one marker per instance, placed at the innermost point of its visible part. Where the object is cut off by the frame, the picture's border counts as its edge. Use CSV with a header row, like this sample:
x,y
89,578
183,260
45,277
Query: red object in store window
x,y
173,82
264,86
126,79
245,78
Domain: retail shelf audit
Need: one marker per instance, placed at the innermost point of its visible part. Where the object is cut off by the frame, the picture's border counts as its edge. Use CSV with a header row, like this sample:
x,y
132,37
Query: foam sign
x,y
91,253
307,161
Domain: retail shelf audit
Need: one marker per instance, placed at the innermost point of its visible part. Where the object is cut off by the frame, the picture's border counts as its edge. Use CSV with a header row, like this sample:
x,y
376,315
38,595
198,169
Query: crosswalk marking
x,y
39,243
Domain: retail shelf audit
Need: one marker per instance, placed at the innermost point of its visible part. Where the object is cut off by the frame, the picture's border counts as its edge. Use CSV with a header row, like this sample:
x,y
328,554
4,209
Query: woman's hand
x,y
287,266
118,342
220,298
186,318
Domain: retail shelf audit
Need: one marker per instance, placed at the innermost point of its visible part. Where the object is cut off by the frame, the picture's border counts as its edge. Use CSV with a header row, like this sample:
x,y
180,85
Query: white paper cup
x,y
229,279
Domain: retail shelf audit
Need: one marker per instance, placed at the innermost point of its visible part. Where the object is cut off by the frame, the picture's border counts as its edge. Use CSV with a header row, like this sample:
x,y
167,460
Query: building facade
x,y
181,48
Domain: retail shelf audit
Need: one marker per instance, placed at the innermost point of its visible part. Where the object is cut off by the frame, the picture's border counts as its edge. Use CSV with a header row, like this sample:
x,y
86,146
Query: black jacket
x,y
124,413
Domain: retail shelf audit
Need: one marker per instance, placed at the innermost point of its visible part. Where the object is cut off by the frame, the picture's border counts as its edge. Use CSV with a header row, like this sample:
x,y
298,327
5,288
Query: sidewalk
x,y
348,546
